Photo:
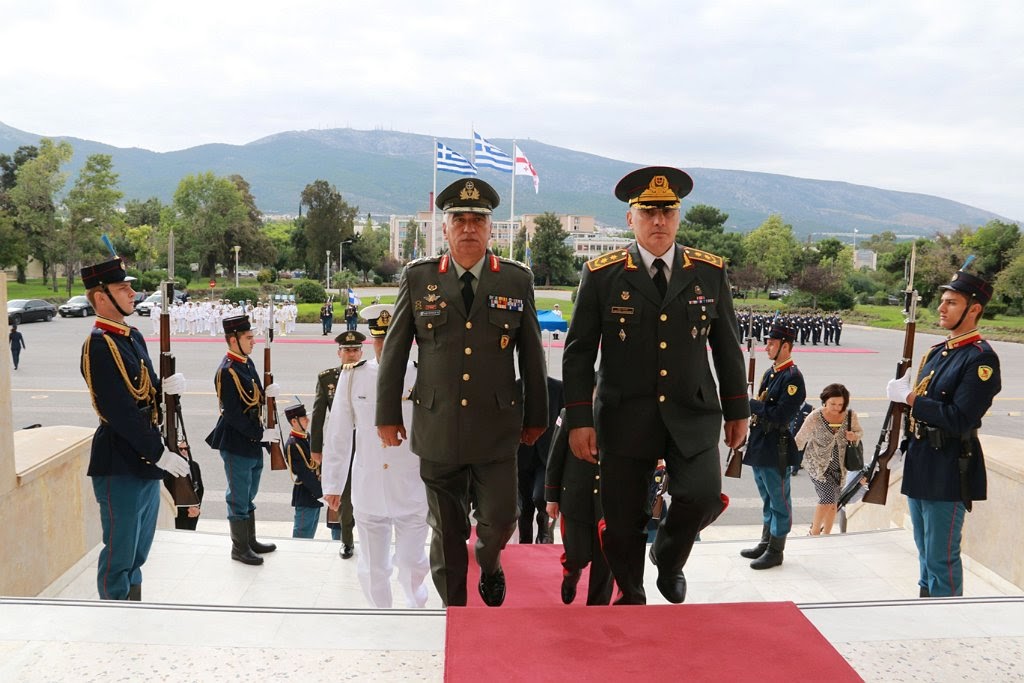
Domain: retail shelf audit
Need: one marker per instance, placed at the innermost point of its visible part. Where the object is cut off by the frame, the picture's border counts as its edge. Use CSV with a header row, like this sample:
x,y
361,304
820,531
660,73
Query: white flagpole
x,y
512,204
433,211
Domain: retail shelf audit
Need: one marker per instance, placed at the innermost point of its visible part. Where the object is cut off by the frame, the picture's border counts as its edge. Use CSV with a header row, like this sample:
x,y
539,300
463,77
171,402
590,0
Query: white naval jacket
x,y
385,481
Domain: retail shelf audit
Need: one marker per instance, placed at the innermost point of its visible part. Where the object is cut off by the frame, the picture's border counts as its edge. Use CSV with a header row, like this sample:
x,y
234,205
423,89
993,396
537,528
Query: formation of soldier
x,y
815,327
196,318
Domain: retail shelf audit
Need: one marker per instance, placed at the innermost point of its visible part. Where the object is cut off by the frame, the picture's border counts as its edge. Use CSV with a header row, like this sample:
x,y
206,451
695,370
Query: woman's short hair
x,y
836,391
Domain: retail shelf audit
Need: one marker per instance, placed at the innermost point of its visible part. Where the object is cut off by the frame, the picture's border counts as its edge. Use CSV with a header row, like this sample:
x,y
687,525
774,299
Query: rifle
x,y
276,456
734,461
897,414
183,489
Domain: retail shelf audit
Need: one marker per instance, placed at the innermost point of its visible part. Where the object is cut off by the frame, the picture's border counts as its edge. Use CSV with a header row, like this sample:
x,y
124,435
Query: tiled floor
x,y
303,616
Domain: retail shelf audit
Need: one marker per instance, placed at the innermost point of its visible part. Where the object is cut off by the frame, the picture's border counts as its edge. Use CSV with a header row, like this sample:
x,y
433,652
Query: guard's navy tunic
x,y
125,389
238,432
307,491
780,397
956,384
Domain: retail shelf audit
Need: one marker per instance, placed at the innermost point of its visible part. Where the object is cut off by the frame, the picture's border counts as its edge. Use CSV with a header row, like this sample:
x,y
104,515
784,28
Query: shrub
x,y
993,309
309,291
237,294
266,276
378,280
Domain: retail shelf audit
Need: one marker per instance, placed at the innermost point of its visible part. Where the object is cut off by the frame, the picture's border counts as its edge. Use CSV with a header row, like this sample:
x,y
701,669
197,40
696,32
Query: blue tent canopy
x,y
551,321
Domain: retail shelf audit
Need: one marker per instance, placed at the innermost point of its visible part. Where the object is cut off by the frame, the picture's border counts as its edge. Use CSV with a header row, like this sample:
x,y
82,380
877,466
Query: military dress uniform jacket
x,y
326,382
654,361
779,398
306,492
240,391
956,384
125,394
466,405
572,483
385,481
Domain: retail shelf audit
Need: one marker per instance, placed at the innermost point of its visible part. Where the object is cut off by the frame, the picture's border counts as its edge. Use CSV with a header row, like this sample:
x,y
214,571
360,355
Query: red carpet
x,y
718,642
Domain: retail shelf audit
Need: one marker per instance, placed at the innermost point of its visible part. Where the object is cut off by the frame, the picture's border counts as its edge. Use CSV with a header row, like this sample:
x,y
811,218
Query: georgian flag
x,y
524,167
486,154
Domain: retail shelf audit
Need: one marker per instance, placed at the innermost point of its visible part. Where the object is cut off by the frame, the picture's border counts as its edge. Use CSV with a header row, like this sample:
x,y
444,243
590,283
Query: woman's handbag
x,y
854,458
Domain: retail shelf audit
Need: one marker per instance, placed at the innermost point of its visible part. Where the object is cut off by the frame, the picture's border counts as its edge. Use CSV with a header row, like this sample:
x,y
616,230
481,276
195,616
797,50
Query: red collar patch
x,y
495,264
963,340
780,368
442,265
298,435
237,358
113,327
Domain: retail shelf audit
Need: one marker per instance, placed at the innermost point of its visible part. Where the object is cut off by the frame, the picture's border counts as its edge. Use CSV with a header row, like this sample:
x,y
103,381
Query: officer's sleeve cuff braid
x,y
735,407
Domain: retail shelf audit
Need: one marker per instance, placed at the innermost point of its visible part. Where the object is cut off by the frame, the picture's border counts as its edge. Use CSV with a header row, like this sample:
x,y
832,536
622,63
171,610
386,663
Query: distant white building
x,y
865,257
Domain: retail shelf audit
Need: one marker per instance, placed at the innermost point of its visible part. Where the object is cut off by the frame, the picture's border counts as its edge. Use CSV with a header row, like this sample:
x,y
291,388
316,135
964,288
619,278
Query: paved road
x,y
49,390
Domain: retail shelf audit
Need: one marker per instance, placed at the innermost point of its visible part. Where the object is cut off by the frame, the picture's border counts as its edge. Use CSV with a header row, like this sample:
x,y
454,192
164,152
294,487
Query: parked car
x,y
77,306
146,307
28,310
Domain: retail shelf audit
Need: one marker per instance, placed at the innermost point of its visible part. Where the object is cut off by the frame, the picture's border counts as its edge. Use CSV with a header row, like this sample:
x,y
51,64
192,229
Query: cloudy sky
x,y
916,95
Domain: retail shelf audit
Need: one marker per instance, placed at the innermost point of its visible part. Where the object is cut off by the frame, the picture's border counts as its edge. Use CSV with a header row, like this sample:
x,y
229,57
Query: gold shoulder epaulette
x,y
513,262
605,260
423,259
329,371
703,256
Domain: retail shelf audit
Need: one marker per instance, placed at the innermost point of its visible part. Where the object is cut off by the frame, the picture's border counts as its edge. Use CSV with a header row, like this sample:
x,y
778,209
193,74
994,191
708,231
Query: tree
x,y
329,220
39,180
519,245
280,234
776,249
369,249
91,210
415,242
141,239
209,216
551,256
703,227
830,248
817,281
14,248
1010,281
993,244
143,213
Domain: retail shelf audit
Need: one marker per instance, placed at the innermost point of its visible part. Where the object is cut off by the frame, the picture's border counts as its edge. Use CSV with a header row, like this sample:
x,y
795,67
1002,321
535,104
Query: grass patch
x,y
35,288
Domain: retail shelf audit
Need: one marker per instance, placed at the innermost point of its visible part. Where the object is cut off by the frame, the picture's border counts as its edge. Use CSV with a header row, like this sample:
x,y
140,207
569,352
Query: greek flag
x,y
486,154
353,299
453,162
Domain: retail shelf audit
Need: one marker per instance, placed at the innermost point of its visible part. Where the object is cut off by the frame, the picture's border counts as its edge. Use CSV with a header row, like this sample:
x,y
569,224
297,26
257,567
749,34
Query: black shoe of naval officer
x,y
492,588
346,551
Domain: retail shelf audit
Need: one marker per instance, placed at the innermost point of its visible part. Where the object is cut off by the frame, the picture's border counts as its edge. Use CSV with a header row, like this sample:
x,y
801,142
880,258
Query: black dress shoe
x,y
492,588
569,582
346,552
673,586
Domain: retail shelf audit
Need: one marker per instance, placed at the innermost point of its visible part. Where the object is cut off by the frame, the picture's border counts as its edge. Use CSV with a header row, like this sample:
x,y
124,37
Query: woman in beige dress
x,y
823,438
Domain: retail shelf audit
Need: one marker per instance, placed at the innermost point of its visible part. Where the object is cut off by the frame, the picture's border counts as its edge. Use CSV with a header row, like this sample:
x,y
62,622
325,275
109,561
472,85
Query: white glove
x,y
273,390
173,463
271,435
897,390
174,385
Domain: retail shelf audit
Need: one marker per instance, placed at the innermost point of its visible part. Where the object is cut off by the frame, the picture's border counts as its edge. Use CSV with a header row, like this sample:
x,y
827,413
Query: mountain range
x,y
387,172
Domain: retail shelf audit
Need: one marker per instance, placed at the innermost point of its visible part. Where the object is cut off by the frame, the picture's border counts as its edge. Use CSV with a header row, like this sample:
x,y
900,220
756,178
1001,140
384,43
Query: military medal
x,y
431,288
625,295
504,341
693,332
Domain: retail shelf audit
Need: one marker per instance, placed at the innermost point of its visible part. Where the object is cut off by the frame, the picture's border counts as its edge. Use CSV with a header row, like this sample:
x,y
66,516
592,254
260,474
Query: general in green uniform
x,y
471,314
653,309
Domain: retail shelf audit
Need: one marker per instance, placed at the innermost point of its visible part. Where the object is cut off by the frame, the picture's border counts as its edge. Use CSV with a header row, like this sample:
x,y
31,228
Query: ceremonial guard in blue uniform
x,y
572,487
128,458
240,436
473,316
944,472
771,449
652,310
306,492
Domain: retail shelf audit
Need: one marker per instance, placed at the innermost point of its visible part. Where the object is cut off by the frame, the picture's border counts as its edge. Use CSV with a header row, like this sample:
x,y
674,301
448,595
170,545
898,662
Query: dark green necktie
x,y
660,281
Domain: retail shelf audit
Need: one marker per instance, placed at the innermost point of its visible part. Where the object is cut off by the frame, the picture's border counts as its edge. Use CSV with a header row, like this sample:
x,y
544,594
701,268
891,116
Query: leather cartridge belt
x,y
937,437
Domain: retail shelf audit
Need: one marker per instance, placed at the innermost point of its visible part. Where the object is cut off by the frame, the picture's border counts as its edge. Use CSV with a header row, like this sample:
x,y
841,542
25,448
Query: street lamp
x,y
341,260
328,269
237,249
